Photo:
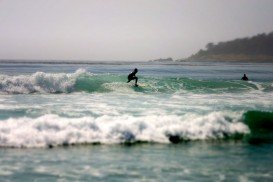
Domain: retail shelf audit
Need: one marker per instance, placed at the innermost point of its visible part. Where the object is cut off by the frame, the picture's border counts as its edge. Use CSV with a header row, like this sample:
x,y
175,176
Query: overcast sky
x,y
131,30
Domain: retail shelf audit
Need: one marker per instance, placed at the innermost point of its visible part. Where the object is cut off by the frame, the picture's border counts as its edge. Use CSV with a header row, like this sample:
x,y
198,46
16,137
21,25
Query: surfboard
x,y
141,85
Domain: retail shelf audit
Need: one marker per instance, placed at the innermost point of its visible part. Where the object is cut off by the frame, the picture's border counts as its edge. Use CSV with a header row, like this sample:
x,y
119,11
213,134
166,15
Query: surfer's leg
x,y
135,78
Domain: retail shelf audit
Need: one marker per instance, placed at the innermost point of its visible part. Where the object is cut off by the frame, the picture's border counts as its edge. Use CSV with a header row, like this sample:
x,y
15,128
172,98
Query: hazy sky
x,y
135,30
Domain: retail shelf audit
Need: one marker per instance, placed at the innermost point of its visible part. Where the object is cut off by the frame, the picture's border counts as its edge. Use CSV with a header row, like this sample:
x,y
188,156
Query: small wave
x,y
261,125
53,130
259,120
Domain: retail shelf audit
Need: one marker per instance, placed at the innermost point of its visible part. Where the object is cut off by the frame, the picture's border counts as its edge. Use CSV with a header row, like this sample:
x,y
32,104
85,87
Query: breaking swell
x,y
52,130
82,80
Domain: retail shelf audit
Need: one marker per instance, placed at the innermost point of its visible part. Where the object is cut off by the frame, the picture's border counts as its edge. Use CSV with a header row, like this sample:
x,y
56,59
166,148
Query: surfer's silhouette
x,y
132,76
244,78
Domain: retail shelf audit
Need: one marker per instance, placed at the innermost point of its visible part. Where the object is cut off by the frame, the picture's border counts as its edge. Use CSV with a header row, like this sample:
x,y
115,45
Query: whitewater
x,y
90,107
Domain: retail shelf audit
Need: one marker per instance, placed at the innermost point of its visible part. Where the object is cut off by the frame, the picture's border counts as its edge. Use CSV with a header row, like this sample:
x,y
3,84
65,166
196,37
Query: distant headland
x,y
163,60
256,48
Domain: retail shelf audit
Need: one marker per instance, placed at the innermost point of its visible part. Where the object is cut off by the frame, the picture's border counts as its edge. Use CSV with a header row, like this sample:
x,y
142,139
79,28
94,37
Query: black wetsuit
x,y
132,76
244,78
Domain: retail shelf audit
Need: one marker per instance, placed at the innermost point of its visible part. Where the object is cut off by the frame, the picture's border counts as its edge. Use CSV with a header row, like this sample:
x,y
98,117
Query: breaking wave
x,y
39,82
53,130
82,80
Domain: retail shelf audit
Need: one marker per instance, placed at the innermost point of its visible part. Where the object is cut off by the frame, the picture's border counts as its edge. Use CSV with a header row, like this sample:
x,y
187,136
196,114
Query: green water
x,y
185,122
197,161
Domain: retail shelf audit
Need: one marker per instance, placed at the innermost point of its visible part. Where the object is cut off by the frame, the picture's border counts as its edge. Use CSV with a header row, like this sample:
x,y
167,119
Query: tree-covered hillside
x,y
256,48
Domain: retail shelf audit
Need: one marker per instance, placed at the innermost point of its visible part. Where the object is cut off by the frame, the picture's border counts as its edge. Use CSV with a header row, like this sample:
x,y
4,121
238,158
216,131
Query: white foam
x,y
257,85
119,86
53,130
39,82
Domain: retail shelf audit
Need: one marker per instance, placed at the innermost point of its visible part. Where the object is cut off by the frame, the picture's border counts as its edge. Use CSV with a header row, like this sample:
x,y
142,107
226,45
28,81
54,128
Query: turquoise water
x,y
189,122
195,161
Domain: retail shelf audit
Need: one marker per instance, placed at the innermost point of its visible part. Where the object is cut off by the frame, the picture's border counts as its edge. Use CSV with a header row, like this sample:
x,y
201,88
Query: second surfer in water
x,y
132,76
244,78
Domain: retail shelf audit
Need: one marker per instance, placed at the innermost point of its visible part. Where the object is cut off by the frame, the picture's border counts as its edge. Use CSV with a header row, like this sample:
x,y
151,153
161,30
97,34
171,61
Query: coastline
x,y
232,58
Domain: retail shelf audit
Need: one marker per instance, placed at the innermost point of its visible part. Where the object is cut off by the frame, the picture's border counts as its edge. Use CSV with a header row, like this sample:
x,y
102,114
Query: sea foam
x,y
39,82
53,130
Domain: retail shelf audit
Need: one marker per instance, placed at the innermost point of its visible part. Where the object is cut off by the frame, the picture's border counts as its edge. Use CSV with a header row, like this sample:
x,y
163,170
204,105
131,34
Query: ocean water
x,y
194,121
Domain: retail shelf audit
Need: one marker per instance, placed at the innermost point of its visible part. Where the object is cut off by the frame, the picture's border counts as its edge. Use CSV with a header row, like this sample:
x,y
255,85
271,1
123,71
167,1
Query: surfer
x,y
244,78
132,76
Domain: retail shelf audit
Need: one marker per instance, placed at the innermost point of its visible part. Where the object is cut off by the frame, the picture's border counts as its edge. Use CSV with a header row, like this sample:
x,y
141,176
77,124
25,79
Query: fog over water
x,y
135,30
